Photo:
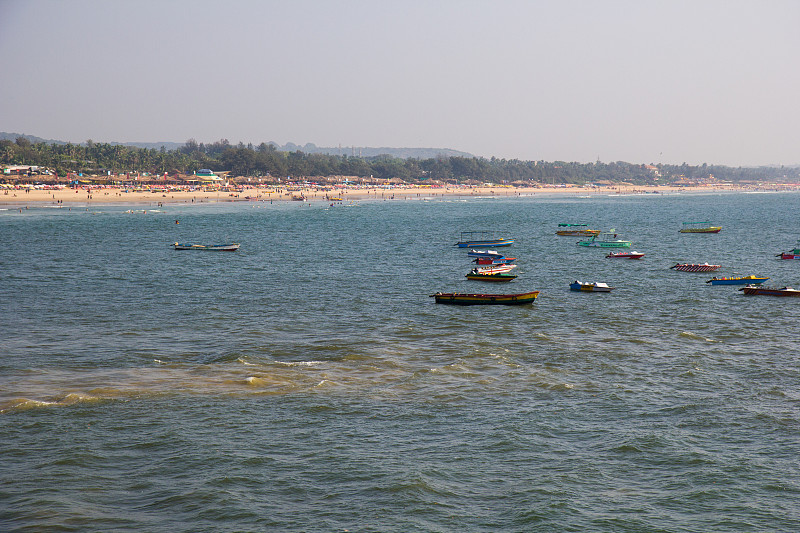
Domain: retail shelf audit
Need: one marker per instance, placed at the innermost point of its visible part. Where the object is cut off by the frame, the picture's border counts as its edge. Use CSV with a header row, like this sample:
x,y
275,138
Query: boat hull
x,y
455,298
768,291
605,244
715,229
578,233
485,244
752,280
589,287
691,267
789,256
625,255
494,260
208,247
490,277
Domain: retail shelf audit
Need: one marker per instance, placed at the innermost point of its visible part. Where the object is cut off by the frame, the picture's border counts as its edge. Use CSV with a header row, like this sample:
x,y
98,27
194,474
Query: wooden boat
x,y
494,269
694,267
699,227
590,287
474,275
625,255
458,298
576,230
739,280
608,239
231,247
481,239
757,290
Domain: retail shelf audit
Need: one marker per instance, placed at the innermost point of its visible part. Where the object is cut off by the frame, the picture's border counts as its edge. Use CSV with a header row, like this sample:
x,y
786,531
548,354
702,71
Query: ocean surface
x,y
309,383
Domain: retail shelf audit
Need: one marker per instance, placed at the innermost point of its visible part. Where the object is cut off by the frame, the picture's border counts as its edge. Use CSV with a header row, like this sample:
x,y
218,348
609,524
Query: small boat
x,y
590,287
693,267
231,247
757,290
608,239
625,255
739,280
494,260
576,230
474,275
699,227
484,253
458,298
494,269
791,254
481,239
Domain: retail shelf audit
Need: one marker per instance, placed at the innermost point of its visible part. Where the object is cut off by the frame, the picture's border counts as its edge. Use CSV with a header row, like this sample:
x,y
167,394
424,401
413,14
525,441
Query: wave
x,y
23,404
696,336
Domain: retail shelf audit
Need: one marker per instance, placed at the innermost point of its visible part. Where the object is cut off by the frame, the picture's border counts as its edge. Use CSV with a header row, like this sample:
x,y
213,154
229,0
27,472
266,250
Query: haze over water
x,y
308,382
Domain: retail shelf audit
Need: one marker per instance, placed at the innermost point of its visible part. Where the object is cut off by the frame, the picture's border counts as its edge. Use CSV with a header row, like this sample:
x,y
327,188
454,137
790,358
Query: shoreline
x,y
119,195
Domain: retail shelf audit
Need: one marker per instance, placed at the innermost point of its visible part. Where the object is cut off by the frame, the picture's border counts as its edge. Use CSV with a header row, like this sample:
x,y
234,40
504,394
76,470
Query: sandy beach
x,y
116,195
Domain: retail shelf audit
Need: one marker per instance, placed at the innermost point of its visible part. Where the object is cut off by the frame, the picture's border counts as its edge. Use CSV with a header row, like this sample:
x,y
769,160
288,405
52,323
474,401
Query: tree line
x,y
265,160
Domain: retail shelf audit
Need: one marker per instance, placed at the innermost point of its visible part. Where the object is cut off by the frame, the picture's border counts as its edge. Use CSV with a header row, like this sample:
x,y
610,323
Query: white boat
x,y
590,287
495,269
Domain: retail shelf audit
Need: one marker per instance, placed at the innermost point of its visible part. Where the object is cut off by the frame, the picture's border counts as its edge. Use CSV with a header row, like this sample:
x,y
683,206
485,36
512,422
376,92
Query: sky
x,y
642,81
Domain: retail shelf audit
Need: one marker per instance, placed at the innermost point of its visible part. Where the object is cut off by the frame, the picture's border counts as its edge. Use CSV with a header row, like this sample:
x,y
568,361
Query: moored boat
x,y
494,260
576,230
738,280
481,239
590,287
699,227
791,254
458,298
484,253
475,275
694,267
609,239
758,290
230,247
494,269
625,255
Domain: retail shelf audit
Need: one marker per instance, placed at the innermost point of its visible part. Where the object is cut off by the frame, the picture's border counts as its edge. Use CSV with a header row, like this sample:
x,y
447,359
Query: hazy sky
x,y
639,81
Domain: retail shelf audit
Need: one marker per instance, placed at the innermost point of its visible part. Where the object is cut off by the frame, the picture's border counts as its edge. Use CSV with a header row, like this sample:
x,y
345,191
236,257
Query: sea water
x,y
309,383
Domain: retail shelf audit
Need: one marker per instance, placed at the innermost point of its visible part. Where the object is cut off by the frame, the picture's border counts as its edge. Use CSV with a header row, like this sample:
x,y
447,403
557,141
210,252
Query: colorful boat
x,y
739,280
694,267
589,287
608,239
231,247
494,260
475,275
494,269
625,255
791,254
757,290
699,227
458,298
576,230
481,239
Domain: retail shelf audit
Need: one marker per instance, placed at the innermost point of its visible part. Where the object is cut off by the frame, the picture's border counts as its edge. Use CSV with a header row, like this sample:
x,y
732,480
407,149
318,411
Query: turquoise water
x,y
308,382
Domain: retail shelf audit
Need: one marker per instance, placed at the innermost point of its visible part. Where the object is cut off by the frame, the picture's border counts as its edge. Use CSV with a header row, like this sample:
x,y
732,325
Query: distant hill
x,y
309,148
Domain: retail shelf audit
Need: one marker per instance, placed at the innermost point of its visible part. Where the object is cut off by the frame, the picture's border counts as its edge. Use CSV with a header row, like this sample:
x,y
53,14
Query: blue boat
x,y
740,280
481,239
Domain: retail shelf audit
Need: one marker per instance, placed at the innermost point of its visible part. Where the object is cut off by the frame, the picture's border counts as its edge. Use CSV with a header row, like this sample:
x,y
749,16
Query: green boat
x,y
608,239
